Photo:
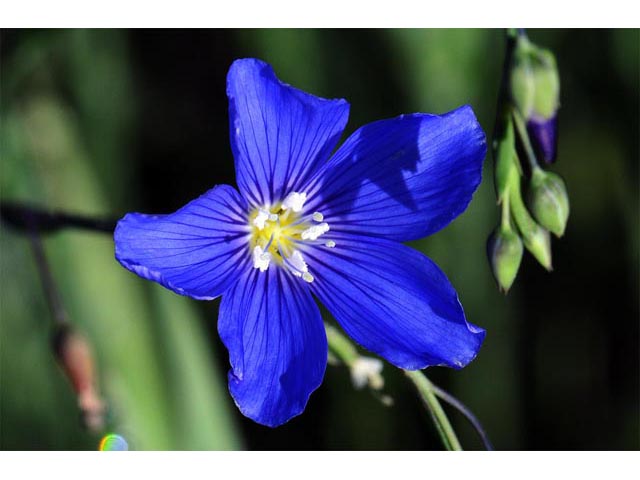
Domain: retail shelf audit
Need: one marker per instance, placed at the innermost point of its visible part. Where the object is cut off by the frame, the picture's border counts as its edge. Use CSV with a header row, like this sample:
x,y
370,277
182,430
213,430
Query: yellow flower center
x,y
278,231
278,236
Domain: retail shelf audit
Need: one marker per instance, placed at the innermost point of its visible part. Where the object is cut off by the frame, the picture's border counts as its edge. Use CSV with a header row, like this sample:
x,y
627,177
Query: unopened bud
x,y
542,124
538,242
74,355
548,201
521,80
504,250
546,83
506,158
535,92
544,137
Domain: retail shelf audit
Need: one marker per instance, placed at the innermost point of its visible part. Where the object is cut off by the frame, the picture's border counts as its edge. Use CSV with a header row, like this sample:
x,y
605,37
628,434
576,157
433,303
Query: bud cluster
x,y
526,131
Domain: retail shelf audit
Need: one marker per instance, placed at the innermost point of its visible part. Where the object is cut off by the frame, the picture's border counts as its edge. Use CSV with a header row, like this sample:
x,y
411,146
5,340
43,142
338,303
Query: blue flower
x,y
307,223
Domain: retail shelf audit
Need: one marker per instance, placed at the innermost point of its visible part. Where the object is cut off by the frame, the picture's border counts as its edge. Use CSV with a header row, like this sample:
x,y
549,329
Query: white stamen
x,y
298,264
261,259
330,244
294,201
318,217
261,218
366,370
273,217
312,233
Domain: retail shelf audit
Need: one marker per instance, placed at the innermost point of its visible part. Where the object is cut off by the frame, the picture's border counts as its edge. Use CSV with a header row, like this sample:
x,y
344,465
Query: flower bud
x,y
546,80
542,123
544,137
535,238
548,201
521,80
538,242
506,158
74,355
504,250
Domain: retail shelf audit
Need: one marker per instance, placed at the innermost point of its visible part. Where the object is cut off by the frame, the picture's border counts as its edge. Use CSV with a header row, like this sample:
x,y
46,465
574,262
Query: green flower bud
x,y
504,250
506,158
521,80
536,239
538,242
546,80
548,201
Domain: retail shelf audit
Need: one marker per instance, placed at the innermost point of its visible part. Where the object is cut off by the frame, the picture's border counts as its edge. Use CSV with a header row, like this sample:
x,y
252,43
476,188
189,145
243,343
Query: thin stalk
x,y
48,284
524,137
340,346
428,395
462,408
25,217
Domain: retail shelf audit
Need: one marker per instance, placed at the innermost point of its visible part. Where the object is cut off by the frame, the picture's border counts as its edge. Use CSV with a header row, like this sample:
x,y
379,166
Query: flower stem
x,y
458,405
26,217
340,346
524,137
428,395
58,313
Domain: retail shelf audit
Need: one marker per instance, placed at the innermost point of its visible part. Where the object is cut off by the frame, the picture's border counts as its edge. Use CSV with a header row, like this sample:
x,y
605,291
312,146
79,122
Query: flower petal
x,y
403,178
279,134
393,301
197,251
277,345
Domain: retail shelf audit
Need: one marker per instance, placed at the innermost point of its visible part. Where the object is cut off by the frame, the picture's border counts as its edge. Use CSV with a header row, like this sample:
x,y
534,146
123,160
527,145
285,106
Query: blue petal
x,y
279,135
197,251
393,301
277,345
404,178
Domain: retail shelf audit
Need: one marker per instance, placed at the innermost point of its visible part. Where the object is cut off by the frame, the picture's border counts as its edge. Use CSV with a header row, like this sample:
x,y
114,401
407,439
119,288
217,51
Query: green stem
x,y
342,348
427,393
524,136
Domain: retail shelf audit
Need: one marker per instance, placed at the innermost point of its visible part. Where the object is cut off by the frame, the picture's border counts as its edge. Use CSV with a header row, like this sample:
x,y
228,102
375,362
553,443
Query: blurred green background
x,y
110,121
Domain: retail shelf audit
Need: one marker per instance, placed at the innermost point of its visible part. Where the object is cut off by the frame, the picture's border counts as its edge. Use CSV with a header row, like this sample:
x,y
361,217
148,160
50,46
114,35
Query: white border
x,y
319,13
317,465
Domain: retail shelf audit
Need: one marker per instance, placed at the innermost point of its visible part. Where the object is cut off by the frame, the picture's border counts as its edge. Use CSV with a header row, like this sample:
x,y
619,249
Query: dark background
x,y
110,121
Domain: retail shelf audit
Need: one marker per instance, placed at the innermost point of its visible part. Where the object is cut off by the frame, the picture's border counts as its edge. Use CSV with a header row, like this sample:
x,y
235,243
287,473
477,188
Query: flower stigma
x,y
278,231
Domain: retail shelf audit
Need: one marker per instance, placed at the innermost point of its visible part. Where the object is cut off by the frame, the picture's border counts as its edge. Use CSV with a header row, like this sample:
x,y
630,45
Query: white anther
x,y
318,217
312,233
261,218
294,201
273,217
366,370
330,244
261,259
299,267
298,263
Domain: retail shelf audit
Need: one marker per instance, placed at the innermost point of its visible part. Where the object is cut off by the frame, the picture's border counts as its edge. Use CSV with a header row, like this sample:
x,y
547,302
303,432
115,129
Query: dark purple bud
x,y
544,136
